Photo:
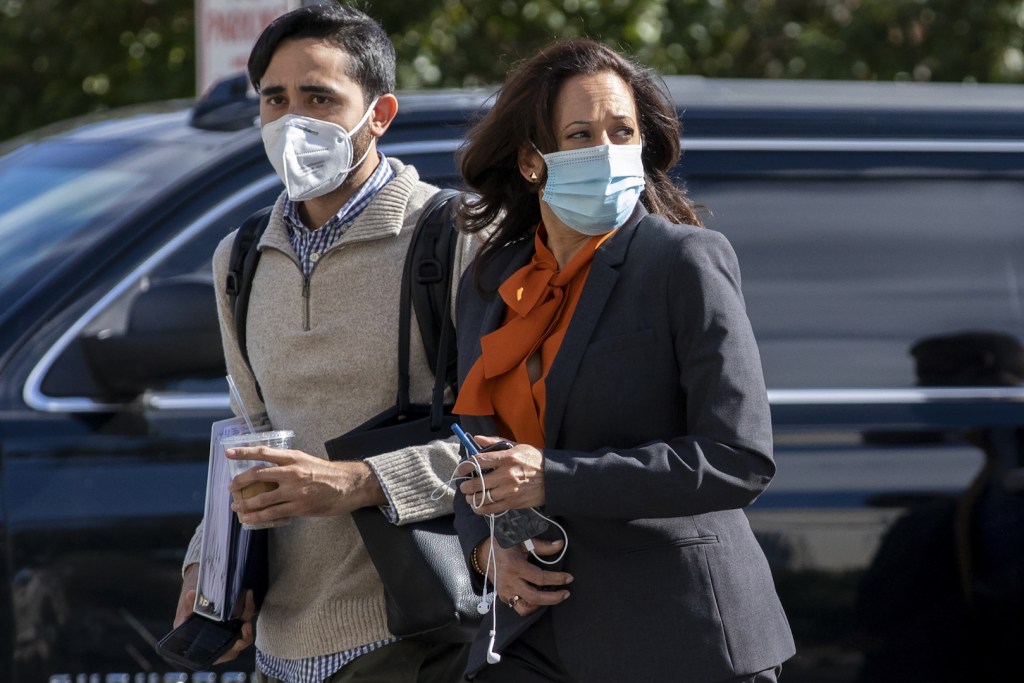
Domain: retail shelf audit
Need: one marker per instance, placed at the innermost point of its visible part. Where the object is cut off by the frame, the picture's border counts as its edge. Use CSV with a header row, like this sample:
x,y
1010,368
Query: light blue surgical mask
x,y
594,190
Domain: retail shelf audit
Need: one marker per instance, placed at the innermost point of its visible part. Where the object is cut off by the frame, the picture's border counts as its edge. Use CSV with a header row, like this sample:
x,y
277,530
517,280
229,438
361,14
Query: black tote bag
x,y
427,587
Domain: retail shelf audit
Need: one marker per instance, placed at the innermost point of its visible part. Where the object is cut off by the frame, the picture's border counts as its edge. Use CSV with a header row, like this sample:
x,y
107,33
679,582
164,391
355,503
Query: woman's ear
x,y
531,164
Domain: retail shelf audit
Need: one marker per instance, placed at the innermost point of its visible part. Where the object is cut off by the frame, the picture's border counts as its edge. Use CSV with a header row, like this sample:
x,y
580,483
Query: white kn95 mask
x,y
312,157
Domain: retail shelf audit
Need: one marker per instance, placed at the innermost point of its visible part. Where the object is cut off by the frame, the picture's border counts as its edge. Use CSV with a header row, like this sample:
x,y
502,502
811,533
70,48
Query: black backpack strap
x,y
241,270
433,251
426,284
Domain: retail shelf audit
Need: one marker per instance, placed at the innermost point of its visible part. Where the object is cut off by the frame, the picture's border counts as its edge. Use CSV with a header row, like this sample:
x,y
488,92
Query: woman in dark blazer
x,y
603,332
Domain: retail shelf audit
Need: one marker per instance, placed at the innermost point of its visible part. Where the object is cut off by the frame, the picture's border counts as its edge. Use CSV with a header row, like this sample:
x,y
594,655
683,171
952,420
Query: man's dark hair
x,y
371,61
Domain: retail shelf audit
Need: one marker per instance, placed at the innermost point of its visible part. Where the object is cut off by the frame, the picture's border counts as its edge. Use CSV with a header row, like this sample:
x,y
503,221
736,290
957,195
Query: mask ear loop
x,y
539,153
366,115
348,136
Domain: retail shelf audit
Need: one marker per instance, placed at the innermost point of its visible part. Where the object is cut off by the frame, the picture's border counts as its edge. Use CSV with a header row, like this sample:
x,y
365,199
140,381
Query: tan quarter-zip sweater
x,y
325,351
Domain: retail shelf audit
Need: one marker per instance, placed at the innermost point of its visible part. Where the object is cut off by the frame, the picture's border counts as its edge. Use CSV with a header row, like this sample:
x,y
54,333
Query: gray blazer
x,y
657,432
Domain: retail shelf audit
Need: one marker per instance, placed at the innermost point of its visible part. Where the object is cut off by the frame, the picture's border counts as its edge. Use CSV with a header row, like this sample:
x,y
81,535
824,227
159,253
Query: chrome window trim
x,y
32,392
864,145
397,149
772,145
166,401
776,397
781,397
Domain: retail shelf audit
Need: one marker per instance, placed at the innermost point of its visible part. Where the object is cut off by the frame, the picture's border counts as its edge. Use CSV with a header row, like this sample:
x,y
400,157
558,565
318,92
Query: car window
x,y
191,262
57,197
843,275
433,166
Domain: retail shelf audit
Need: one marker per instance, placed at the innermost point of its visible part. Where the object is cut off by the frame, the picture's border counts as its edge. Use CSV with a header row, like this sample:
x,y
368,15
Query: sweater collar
x,y
384,217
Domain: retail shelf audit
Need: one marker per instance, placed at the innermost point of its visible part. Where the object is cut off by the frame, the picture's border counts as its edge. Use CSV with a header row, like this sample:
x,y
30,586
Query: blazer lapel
x,y
596,292
489,313
483,315
494,311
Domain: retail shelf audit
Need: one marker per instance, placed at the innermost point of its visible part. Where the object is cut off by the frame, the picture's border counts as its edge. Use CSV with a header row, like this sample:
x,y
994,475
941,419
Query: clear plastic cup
x,y
279,439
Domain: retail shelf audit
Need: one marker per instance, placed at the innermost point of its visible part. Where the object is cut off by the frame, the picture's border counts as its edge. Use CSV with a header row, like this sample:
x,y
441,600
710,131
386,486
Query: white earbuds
x,y
492,656
486,603
484,606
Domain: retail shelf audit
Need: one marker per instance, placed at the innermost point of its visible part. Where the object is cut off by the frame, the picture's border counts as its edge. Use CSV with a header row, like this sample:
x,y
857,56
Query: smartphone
x,y
515,526
199,642
468,442
473,448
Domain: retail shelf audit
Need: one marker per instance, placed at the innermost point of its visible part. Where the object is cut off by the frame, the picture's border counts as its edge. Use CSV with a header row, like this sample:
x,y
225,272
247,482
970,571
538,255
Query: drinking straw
x,y
241,406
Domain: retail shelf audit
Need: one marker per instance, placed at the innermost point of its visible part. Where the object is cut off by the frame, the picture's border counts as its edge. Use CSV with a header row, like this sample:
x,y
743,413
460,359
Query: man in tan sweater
x,y
322,342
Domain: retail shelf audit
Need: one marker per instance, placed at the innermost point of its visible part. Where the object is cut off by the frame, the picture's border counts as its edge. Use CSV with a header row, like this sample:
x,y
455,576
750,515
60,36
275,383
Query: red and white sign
x,y
225,32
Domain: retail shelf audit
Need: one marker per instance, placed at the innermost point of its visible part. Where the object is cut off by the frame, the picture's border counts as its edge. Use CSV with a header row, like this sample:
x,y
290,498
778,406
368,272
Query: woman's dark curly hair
x,y
522,114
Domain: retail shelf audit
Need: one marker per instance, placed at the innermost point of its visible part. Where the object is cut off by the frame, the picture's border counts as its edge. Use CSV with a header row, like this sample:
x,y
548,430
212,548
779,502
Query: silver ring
x,y
487,495
513,601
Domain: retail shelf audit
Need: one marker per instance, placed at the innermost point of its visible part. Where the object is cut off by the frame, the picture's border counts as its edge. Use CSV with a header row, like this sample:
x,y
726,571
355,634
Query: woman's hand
x,y
303,486
514,478
521,579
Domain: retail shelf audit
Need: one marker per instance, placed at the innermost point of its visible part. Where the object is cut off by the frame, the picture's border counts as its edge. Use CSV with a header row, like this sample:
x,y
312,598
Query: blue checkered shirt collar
x,y
308,244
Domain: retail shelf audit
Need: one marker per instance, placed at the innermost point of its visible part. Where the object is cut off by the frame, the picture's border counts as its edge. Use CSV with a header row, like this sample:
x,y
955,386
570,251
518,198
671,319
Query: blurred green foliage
x,y
466,42
58,59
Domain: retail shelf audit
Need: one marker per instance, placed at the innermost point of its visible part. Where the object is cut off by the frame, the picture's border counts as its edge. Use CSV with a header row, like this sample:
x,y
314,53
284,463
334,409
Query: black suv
x,y
880,230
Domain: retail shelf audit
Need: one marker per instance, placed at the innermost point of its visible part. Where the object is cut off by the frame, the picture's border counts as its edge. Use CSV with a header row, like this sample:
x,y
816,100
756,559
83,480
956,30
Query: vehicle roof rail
x,y
226,105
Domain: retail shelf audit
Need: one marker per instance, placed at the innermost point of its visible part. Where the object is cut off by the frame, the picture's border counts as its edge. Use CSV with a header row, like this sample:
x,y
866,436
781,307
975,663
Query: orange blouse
x,y
540,301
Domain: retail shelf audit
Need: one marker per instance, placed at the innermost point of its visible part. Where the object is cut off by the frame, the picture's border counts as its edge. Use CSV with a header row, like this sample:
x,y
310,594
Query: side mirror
x,y
172,334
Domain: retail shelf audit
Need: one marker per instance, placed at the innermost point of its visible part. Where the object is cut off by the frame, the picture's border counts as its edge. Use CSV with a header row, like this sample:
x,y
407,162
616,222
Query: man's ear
x,y
383,114
531,164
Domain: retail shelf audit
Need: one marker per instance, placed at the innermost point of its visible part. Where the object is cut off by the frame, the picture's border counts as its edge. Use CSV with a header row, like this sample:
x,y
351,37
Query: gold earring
x,y
533,177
